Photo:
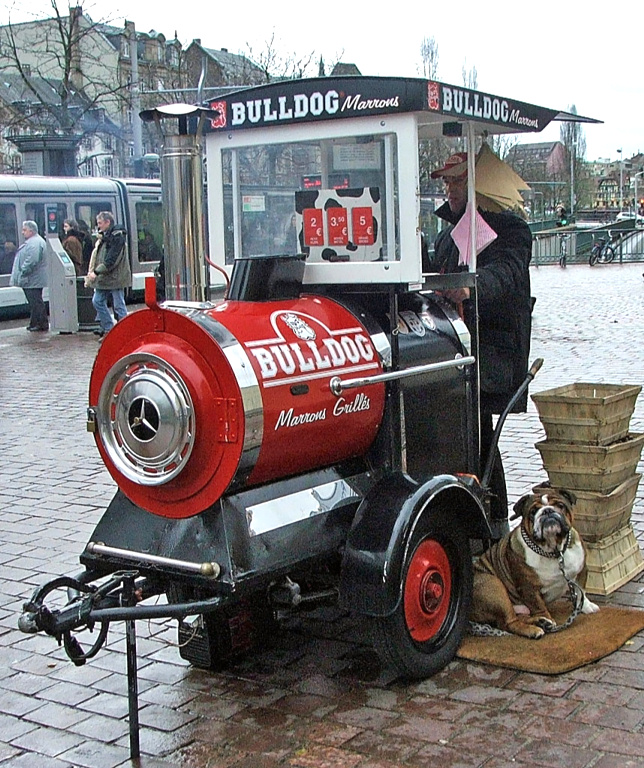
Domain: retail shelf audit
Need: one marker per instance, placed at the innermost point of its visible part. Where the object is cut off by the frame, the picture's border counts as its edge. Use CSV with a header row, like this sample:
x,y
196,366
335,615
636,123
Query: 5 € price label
x,y
313,227
362,226
337,224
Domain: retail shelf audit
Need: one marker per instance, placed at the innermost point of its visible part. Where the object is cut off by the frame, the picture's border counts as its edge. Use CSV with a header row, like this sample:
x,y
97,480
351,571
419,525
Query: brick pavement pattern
x,y
316,697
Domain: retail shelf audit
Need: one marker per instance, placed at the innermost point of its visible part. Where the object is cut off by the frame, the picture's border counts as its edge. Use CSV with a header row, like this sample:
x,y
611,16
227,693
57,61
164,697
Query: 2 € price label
x,y
362,226
313,227
337,225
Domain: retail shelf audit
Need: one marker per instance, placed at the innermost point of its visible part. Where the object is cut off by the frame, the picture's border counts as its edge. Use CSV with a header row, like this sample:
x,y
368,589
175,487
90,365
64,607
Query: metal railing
x,y
546,246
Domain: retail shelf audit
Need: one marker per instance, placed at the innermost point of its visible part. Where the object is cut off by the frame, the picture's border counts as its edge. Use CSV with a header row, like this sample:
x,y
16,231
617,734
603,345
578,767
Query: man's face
x,y
456,193
102,224
27,233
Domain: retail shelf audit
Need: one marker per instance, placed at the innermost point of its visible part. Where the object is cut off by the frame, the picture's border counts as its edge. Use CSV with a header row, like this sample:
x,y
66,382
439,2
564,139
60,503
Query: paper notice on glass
x,y
461,236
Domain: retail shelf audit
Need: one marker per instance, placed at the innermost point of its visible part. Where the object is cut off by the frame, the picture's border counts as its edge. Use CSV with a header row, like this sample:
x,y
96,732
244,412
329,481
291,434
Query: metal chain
x,y
485,630
576,595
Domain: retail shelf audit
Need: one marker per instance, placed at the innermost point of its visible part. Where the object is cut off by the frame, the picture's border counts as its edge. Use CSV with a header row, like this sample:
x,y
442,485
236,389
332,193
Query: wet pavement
x,y
317,696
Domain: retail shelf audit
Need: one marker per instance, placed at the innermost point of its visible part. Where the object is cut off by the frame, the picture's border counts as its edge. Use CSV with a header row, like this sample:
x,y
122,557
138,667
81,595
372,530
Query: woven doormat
x,y
589,638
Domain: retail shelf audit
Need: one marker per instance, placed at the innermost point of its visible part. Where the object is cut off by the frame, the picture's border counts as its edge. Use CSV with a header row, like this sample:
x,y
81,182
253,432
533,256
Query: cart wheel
x,y
424,632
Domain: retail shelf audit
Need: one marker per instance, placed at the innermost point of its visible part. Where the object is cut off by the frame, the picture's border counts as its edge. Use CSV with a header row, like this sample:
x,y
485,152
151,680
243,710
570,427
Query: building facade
x,y
86,82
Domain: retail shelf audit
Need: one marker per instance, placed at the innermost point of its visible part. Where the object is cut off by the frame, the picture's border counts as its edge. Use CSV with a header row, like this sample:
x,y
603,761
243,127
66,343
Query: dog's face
x,y
547,515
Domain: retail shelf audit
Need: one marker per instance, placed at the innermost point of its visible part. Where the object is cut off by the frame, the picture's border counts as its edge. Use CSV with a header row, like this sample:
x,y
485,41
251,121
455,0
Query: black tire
x,y
608,254
424,632
594,255
562,261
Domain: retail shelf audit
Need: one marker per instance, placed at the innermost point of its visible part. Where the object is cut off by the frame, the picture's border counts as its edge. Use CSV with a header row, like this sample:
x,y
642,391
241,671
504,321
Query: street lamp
x,y
573,147
621,182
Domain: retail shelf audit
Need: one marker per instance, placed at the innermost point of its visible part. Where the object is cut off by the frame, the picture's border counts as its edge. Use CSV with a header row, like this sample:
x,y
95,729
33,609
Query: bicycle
x,y
563,250
602,251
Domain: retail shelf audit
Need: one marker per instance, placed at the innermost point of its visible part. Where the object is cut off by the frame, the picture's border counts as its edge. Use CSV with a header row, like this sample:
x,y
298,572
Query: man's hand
x,y
456,295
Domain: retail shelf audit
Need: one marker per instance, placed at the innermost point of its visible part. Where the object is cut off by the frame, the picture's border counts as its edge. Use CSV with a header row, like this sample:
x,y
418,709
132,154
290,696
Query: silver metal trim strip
x,y
211,570
338,386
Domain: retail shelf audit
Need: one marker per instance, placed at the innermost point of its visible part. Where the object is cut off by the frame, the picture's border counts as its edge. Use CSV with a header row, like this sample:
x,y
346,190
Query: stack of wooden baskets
x,y
590,451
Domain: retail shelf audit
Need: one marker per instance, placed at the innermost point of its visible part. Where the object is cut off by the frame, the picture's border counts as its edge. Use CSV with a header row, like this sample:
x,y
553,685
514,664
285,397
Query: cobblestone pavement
x,y
316,696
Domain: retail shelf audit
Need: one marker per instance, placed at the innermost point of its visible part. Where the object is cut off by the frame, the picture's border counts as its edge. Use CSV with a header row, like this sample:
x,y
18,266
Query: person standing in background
x,y
29,272
109,271
87,242
73,245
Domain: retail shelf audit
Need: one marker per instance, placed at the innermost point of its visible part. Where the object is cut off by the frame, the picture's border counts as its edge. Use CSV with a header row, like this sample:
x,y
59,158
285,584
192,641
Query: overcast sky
x,y
553,54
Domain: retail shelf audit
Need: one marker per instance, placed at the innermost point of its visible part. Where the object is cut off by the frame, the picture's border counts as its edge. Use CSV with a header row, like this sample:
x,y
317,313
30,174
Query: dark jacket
x,y
112,265
504,303
88,247
73,245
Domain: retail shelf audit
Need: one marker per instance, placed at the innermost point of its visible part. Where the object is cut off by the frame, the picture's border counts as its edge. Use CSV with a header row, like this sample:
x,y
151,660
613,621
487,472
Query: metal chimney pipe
x,y
184,234
182,190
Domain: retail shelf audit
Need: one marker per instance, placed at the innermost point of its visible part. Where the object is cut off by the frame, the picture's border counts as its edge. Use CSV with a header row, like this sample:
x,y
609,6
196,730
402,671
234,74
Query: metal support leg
x,y
132,682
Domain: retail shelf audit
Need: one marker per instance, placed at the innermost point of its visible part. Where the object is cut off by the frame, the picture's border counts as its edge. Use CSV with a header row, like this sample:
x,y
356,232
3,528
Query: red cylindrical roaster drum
x,y
190,402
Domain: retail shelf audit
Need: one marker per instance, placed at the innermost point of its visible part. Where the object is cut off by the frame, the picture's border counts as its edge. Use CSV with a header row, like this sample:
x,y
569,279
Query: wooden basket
x,y
599,468
597,414
598,515
613,561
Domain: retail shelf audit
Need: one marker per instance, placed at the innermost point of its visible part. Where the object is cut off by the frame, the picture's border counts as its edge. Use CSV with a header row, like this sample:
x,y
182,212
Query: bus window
x,y
149,222
86,213
36,212
8,237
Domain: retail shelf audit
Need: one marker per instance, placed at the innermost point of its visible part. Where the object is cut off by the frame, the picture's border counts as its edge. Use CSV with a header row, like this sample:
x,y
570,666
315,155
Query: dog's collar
x,y
539,550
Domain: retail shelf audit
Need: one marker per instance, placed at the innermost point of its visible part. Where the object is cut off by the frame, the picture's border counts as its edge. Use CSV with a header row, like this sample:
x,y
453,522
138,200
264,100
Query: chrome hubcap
x,y
146,419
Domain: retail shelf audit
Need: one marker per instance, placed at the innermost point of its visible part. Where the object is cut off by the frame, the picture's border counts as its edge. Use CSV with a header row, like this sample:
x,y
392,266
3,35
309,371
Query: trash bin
x,y
86,313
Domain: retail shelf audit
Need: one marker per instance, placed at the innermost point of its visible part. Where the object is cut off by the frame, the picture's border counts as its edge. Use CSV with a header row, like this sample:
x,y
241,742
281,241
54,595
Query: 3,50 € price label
x,y
338,226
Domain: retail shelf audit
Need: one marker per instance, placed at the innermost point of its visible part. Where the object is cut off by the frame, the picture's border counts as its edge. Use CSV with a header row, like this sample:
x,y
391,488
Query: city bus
x,y
135,204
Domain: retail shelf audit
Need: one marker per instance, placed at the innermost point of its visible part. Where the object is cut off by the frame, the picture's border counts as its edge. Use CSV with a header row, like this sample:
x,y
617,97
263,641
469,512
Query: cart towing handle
x,y
534,369
115,600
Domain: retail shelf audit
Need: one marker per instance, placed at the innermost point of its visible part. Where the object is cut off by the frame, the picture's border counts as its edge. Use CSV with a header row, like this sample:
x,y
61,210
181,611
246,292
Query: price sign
x,y
362,226
338,226
313,229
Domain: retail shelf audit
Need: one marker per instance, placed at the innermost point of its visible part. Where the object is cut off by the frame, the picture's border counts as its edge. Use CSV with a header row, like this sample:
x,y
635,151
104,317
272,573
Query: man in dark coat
x,y
504,307
109,272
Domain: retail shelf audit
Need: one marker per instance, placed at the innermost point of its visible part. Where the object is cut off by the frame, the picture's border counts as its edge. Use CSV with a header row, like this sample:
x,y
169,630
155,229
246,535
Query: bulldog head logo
x,y
299,327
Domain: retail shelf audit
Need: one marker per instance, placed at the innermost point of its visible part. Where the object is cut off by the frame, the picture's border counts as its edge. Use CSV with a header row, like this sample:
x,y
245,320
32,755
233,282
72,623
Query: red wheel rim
x,y
427,591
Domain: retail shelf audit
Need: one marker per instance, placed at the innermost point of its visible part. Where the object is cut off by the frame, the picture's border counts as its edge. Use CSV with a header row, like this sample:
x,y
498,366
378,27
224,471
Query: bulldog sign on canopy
x,y
311,100
331,166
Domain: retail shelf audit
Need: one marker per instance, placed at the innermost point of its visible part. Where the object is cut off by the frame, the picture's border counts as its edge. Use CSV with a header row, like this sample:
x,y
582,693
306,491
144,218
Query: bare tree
x,y
429,58
502,143
61,77
76,77
573,138
470,76
276,65
60,49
